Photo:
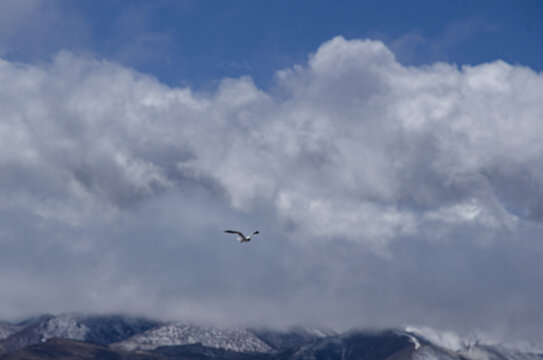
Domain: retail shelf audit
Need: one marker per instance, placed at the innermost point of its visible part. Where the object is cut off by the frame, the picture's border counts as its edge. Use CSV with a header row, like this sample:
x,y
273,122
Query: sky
x,y
389,153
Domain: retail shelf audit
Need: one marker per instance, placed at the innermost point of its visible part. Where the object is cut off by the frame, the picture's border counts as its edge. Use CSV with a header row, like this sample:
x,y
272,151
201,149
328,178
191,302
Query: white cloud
x,y
357,152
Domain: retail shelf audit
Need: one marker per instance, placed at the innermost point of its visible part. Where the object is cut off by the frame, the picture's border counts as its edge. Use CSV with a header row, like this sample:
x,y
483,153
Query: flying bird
x,y
242,238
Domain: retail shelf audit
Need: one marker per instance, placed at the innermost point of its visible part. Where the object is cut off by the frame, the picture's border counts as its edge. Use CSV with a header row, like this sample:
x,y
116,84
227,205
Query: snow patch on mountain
x,y
414,340
448,345
65,326
6,329
239,340
448,339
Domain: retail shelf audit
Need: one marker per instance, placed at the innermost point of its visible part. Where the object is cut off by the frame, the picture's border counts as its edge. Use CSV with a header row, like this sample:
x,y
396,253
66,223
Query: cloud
x,y
385,194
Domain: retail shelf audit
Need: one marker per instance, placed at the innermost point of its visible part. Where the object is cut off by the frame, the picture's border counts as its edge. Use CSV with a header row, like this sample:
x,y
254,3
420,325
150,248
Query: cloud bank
x,y
386,195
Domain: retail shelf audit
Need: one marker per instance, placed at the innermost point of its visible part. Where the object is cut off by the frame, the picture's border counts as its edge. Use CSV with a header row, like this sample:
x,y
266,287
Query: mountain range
x,y
119,337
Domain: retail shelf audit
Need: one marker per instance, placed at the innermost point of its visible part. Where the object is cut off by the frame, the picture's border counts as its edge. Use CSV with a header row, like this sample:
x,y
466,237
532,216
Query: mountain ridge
x,y
130,337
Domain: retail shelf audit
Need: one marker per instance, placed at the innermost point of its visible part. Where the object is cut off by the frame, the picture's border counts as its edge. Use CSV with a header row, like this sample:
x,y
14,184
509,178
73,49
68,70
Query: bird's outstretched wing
x,y
255,232
234,232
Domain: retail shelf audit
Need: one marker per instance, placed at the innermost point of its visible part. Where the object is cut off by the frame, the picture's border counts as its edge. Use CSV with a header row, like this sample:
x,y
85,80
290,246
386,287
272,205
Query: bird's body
x,y
242,238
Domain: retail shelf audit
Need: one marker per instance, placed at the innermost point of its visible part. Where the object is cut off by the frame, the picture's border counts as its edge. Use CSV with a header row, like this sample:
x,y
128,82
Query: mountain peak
x,y
179,333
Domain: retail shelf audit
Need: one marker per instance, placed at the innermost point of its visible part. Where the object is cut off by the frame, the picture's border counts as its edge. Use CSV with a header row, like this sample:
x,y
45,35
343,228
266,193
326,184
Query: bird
x,y
242,238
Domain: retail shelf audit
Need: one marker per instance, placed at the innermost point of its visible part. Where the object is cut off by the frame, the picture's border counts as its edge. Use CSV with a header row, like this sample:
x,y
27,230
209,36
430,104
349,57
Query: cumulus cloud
x,y
385,194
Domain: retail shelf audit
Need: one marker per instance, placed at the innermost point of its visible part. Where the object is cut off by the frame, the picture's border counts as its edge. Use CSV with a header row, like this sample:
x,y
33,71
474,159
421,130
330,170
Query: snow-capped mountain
x,y
96,329
403,345
239,340
7,329
121,337
449,345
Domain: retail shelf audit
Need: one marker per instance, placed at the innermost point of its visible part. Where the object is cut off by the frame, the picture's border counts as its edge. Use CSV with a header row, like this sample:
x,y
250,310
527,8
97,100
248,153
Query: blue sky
x,y
198,42
389,152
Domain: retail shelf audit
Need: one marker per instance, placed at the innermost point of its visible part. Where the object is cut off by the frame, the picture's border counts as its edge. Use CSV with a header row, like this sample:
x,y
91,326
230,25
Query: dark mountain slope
x,y
65,349
355,345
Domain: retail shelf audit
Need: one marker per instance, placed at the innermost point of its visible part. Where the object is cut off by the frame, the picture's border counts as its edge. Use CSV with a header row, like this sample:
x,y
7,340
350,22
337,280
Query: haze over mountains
x,y
78,336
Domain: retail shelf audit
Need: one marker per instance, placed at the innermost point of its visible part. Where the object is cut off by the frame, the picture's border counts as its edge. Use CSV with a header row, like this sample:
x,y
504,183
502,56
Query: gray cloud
x,y
385,194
